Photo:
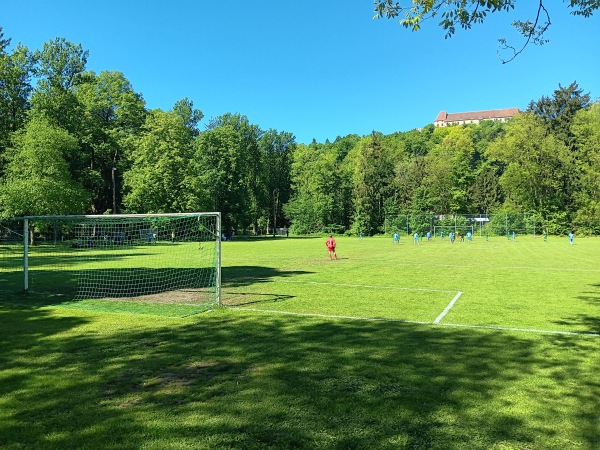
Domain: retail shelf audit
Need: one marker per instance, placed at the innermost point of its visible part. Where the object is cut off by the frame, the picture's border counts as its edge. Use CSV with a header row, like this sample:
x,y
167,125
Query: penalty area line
x,y
444,325
327,316
397,288
448,308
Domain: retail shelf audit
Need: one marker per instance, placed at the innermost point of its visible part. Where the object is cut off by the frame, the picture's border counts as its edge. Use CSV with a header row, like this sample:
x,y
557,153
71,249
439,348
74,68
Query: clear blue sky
x,y
319,69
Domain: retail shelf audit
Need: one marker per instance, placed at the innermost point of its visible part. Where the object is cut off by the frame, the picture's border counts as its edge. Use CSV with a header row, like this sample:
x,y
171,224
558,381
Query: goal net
x,y
151,258
457,229
11,255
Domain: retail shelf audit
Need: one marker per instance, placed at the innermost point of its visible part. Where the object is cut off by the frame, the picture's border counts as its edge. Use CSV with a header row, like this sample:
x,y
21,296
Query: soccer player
x,y
571,236
416,238
330,243
396,238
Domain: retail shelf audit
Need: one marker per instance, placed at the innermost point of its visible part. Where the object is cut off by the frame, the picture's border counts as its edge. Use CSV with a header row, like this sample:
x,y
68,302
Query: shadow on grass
x,y
238,276
252,298
270,237
591,322
58,286
63,286
230,380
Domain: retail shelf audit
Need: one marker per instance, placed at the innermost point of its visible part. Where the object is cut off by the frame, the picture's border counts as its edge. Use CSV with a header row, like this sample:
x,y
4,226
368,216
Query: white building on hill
x,y
444,119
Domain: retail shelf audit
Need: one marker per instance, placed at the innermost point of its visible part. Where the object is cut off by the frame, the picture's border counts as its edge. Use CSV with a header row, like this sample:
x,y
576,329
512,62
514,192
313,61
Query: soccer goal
x,y
163,258
458,229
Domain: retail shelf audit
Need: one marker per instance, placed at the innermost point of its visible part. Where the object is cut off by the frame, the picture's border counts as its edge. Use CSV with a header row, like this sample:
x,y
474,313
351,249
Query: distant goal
x,y
152,258
457,229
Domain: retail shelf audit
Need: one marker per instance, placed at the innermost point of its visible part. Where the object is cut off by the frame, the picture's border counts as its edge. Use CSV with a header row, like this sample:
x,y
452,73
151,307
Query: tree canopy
x,y
74,141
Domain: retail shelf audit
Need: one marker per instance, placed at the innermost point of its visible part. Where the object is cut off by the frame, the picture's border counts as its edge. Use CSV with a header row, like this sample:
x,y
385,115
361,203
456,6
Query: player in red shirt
x,y
330,243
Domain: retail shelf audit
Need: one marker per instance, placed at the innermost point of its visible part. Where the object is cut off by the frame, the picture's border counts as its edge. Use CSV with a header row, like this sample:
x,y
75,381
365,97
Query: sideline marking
x,y
448,308
522,330
455,325
398,288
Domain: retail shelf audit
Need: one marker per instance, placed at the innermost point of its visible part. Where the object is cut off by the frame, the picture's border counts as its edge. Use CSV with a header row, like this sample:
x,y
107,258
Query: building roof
x,y
491,114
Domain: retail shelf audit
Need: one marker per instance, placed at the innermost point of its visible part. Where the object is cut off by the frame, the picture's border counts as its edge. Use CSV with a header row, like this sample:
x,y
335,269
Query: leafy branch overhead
x,y
465,13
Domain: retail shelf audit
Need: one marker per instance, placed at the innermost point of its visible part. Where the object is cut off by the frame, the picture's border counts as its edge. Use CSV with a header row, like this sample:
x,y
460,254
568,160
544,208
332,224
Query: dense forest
x,y
73,141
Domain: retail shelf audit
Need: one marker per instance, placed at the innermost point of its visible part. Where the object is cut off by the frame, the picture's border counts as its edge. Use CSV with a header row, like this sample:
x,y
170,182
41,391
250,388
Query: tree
x,y
247,167
342,148
15,89
60,67
191,117
37,179
559,110
112,113
586,134
557,113
536,165
372,178
218,178
450,171
312,203
466,13
4,43
276,158
159,163
486,191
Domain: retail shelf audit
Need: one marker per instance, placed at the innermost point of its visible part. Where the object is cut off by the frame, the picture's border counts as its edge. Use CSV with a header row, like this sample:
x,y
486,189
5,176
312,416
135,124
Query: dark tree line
x,y
73,141
545,161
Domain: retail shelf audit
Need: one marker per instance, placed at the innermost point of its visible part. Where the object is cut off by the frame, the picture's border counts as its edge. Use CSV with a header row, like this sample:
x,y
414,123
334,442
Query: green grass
x,y
281,367
525,284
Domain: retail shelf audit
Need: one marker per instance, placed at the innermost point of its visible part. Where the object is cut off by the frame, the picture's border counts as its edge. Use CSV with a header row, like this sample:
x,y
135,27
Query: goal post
x,y
437,229
153,258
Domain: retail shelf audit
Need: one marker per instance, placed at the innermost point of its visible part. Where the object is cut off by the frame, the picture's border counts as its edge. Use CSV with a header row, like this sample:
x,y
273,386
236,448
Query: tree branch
x,y
531,31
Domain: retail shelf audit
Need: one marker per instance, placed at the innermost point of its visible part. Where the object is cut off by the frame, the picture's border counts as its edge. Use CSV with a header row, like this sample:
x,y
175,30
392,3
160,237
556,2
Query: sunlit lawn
x,y
284,369
529,283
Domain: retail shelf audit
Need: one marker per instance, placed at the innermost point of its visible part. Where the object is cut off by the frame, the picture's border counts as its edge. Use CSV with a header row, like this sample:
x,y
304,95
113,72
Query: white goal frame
x,y
100,217
454,228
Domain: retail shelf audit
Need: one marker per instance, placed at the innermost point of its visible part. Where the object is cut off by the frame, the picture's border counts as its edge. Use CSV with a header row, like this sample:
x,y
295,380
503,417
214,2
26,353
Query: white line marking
x,y
367,286
521,330
326,316
455,325
448,308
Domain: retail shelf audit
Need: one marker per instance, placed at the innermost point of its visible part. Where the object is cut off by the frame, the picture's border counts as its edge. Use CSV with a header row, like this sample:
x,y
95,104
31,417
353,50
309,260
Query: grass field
x,y
483,345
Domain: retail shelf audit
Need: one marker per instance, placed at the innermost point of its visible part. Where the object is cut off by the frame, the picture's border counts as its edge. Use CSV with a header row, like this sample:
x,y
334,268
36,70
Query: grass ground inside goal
x,y
133,279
